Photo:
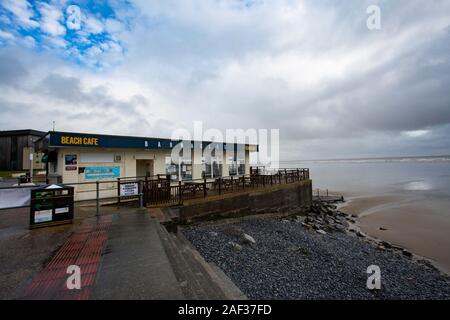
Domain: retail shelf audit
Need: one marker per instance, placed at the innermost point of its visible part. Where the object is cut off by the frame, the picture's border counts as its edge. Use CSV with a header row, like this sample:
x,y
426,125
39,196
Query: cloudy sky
x,y
312,69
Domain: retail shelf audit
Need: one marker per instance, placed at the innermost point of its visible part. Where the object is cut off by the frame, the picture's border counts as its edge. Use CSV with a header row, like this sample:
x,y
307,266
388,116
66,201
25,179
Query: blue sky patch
x,y
49,25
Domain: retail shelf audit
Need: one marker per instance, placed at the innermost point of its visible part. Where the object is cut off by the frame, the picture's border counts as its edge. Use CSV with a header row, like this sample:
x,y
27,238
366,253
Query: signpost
x,y
31,165
129,189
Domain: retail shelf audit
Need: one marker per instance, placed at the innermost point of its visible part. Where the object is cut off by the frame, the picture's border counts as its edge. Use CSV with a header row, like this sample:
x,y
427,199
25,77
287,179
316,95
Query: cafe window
x,y
70,160
171,169
232,167
175,169
236,167
241,167
215,167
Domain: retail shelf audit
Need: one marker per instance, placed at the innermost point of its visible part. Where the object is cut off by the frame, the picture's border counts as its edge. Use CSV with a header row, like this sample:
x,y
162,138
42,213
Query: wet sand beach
x,y
420,224
410,197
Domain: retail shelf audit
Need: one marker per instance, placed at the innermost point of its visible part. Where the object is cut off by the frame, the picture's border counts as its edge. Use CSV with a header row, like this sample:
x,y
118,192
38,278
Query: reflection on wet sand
x,y
418,223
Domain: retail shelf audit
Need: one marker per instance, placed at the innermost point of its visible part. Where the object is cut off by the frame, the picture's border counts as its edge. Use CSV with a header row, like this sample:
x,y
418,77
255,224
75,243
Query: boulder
x,y
321,231
307,226
386,244
407,253
235,245
248,239
361,234
396,247
339,227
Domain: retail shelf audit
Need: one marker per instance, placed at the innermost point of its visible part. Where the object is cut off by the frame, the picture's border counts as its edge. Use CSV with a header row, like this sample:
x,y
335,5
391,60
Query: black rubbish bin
x,y
51,205
25,178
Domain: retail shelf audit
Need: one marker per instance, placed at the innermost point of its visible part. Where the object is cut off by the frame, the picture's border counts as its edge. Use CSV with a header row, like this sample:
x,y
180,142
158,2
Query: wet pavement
x,y
119,254
135,265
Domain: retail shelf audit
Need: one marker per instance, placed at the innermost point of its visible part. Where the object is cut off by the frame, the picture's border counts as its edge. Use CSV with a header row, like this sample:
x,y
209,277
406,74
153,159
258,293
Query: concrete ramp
x,y
134,264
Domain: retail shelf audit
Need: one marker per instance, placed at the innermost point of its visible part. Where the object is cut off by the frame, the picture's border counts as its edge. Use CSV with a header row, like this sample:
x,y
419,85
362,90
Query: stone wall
x,y
295,197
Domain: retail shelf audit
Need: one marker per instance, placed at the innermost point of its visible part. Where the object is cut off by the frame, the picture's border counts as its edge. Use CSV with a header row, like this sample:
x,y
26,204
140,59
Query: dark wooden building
x,y
15,146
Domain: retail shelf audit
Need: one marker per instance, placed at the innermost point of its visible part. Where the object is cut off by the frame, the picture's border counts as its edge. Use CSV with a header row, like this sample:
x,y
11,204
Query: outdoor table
x,y
193,186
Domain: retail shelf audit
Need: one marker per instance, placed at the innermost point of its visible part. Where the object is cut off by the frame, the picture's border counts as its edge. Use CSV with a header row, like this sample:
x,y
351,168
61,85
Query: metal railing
x,y
95,194
163,191
160,190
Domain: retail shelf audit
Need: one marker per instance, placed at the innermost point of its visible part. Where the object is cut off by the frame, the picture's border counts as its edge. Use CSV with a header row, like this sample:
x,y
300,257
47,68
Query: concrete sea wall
x,y
295,197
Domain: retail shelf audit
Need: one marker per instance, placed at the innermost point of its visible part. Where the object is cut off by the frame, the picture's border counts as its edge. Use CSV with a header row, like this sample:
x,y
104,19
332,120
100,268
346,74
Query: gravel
x,y
290,261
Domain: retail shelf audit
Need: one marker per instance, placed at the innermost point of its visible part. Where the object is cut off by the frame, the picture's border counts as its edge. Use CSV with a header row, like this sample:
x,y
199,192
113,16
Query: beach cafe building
x,y
80,158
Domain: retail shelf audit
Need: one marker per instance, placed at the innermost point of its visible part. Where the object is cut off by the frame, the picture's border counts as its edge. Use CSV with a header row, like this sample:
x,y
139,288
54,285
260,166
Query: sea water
x,y
415,176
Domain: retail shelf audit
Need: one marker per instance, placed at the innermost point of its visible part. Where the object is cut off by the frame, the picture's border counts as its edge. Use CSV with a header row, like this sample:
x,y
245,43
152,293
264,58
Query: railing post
x,y
97,191
243,182
271,180
180,193
118,190
298,175
231,183
148,191
285,175
220,185
204,188
264,180
141,194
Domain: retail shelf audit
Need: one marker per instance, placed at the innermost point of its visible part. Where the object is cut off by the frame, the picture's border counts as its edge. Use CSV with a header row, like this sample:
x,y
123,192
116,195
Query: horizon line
x,y
371,158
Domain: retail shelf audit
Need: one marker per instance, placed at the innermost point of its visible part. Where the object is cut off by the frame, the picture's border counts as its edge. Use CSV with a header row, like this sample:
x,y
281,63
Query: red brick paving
x,y
84,249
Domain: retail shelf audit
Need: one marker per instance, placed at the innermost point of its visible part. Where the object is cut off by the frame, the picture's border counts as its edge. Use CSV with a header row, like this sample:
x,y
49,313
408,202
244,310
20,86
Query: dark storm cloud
x,y
408,93
419,97
11,70
69,90
32,97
